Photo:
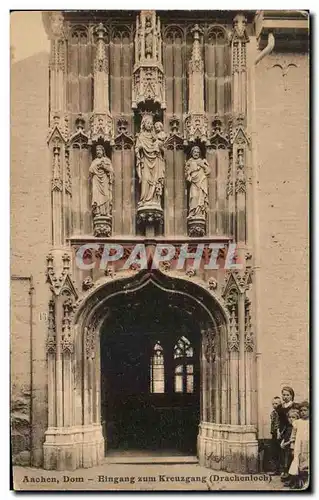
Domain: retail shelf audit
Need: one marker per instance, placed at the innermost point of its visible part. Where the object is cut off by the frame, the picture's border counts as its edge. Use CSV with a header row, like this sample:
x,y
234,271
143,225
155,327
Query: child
x,y
299,468
288,443
275,434
159,131
288,396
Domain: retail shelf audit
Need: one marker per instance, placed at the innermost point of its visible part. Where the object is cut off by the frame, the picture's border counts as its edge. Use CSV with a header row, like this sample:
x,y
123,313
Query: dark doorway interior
x,y
150,372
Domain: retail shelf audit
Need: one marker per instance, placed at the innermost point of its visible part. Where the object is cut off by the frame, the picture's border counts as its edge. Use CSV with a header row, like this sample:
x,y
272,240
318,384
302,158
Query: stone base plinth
x,y
70,448
102,226
231,448
150,217
196,226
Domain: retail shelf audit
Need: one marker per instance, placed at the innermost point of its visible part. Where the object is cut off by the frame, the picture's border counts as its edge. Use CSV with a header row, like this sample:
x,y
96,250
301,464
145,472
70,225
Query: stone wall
x,y
30,239
282,123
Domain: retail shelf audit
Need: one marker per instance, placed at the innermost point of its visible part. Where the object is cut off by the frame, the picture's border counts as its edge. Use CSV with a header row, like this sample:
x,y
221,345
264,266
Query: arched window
x,y
157,376
184,366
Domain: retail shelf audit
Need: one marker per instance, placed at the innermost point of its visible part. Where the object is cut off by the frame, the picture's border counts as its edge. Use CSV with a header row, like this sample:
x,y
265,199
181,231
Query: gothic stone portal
x,y
151,371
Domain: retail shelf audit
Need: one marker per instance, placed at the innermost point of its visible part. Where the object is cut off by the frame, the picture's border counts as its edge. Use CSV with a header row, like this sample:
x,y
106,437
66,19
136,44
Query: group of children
x,y
289,427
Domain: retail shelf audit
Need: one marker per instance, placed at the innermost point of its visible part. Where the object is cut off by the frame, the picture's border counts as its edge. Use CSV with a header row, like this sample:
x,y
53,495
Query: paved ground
x,y
127,477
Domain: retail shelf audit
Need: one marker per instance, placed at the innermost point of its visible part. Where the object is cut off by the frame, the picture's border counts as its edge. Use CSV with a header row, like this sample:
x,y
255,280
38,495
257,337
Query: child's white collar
x,y
286,405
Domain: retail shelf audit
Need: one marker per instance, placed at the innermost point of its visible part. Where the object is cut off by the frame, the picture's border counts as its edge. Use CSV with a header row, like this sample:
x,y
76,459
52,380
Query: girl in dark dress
x,y
285,427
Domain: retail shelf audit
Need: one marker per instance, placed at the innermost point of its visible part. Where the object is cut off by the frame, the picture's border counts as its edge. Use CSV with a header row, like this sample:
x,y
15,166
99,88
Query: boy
x,y
275,435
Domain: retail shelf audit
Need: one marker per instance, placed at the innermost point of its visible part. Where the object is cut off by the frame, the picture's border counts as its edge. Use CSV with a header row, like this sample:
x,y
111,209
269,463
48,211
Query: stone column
x,y
58,124
242,377
51,353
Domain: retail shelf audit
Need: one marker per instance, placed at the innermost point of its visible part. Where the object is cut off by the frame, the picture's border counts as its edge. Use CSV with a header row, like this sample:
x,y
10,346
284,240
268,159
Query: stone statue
x,y
150,163
160,134
196,172
102,174
148,33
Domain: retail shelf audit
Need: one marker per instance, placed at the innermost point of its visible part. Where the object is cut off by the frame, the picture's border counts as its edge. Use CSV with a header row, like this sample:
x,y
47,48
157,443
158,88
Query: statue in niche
x,y
149,150
102,174
196,173
148,34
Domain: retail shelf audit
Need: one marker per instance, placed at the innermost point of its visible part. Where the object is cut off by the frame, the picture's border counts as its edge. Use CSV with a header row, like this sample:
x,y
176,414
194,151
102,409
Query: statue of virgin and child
x,y
150,163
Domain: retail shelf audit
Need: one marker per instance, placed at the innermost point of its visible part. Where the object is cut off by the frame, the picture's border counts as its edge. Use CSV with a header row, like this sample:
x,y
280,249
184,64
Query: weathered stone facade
x,y
227,164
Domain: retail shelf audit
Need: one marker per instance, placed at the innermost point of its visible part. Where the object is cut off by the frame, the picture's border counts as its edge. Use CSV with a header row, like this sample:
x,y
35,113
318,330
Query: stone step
x,y
150,459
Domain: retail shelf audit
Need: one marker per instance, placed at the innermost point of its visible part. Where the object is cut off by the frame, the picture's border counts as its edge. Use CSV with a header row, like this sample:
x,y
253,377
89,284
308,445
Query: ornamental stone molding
x,y
59,128
101,121
196,121
219,138
51,338
87,284
209,343
239,32
284,67
290,29
124,139
175,139
59,274
101,128
249,336
212,284
233,333
237,279
80,134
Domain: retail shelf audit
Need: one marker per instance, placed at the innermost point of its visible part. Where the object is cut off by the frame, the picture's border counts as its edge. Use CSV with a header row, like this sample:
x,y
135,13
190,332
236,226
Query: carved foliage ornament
x,y
150,216
68,178
249,336
90,335
212,284
67,338
102,227
56,168
196,63
102,128
51,339
196,127
100,62
87,284
209,344
233,338
67,345
230,180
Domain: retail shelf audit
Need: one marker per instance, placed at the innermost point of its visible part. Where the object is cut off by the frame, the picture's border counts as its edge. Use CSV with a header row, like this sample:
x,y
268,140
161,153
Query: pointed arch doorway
x,y
155,320
150,373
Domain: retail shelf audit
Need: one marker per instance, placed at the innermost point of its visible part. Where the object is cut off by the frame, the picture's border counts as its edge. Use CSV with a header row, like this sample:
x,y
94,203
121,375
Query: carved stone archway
x,y
222,442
